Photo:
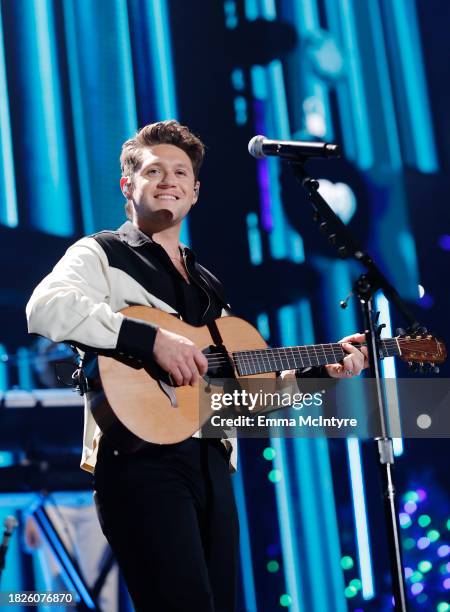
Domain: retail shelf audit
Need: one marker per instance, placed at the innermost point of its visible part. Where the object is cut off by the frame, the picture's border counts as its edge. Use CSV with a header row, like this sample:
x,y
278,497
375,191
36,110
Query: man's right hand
x,y
179,357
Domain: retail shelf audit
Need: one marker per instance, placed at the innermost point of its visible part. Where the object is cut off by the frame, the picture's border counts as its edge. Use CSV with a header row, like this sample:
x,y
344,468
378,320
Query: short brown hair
x,y
162,132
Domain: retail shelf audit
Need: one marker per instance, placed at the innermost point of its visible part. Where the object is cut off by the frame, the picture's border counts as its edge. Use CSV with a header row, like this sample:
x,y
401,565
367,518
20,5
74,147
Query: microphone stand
x,y
365,288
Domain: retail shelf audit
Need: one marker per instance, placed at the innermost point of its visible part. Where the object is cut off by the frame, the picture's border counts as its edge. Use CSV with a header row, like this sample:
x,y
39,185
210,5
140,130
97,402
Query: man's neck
x,y
168,238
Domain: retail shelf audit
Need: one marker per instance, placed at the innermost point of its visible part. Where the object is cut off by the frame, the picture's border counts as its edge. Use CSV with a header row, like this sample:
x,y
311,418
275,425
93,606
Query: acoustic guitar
x,y
137,402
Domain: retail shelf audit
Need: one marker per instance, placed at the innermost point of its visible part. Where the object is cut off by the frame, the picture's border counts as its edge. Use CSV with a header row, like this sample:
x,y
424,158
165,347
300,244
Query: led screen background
x,y
78,78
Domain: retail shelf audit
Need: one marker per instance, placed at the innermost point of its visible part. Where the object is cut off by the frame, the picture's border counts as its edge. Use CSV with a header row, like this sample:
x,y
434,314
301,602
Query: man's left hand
x,y
354,362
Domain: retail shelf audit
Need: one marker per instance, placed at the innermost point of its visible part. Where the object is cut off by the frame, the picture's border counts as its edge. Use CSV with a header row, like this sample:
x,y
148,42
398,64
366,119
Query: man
x,y
168,511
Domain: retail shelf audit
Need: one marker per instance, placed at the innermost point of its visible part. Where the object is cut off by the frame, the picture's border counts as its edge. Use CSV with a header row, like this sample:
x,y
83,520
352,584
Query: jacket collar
x,y
134,237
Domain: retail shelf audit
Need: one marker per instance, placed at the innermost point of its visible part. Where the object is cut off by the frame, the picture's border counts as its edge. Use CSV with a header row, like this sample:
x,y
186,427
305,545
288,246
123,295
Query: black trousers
x,y
169,514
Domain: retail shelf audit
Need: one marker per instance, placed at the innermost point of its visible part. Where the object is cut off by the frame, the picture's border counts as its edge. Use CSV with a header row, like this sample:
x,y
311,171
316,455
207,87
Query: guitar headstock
x,y
422,349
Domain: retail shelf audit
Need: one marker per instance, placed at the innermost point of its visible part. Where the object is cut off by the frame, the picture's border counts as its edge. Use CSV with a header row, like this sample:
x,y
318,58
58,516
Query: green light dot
x,y
273,566
448,524
285,600
350,591
424,520
274,476
269,453
422,598
347,563
356,583
425,566
409,543
442,606
433,535
443,568
411,496
416,576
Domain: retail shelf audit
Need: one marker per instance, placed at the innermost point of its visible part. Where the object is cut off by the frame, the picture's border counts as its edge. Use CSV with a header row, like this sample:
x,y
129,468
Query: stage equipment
x,y
260,147
365,288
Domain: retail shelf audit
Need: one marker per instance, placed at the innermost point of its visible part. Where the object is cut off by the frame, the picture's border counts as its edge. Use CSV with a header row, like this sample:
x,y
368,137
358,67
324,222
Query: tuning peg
x,y
435,370
332,238
400,331
422,330
316,216
323,227
342,252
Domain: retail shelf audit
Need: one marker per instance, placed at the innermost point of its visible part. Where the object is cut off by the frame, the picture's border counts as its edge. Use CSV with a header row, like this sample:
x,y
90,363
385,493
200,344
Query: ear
x,y
196,191
125,186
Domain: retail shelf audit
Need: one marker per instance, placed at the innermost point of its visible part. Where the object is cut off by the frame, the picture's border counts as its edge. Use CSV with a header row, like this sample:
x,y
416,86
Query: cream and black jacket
x,y
80,300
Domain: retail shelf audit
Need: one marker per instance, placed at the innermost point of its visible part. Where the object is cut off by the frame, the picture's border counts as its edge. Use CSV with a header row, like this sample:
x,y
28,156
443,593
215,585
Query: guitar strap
x,y
215,333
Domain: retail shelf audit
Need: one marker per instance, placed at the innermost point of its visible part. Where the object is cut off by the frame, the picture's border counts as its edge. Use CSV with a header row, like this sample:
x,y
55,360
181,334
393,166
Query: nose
x,y
168,179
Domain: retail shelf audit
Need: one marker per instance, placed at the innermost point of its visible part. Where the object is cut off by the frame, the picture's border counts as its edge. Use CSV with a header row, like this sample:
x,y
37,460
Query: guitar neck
x,y
262,361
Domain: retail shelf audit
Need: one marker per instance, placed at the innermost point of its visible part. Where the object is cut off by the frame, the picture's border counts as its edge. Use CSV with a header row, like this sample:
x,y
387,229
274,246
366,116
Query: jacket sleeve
x,y
71,304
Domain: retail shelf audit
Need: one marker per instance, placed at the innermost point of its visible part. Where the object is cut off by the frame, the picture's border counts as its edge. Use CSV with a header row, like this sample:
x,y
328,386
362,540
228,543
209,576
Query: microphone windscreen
x,y
255,147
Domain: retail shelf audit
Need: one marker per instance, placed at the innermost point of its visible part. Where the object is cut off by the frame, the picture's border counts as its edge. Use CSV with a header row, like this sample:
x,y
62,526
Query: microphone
x,y
260,147
10,523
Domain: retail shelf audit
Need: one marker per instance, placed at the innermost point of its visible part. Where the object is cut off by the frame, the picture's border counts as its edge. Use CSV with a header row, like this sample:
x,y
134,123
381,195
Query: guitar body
x,y
134,408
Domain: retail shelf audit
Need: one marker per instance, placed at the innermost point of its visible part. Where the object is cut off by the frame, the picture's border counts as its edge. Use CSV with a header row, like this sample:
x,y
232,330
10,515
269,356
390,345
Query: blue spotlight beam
x,y
360,516
8,197
404,38
350,91
42,140
244,541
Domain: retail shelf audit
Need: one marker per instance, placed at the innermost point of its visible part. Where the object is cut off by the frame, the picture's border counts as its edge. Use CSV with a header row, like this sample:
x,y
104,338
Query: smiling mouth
x,y
166,197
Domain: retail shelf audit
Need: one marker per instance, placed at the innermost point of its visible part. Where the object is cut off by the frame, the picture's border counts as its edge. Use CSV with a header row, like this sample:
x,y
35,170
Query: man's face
x,y
163,189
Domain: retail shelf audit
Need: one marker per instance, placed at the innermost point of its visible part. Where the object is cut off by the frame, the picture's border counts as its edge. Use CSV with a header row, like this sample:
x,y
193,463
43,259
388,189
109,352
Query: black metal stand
x,y
87,598
365,287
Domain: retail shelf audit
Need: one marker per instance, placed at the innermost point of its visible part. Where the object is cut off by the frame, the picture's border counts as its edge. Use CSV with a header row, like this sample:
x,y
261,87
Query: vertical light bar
x,y
388,370
24,368
284,241
360,513
317,500
248,579
259,89
72,42
47,162
4,382
306,20
386,99
251,9
158,26
312,532
343,20
98,139
286,525
268,9
330,524
163,71
262,323
254,239
417,103
8,203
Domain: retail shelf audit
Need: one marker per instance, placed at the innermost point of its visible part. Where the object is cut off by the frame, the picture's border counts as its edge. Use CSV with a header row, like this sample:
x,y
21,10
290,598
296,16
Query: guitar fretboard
x,y
297,357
